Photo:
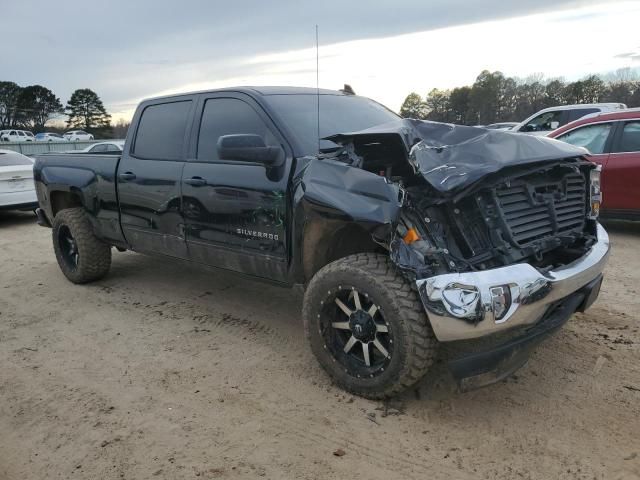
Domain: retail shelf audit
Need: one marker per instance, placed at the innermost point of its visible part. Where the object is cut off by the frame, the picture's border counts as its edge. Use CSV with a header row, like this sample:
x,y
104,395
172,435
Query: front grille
x,y
537,208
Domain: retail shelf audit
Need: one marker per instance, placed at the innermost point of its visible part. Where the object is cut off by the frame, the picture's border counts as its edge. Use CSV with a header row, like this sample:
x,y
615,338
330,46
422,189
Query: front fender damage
x,y
331,197
428,193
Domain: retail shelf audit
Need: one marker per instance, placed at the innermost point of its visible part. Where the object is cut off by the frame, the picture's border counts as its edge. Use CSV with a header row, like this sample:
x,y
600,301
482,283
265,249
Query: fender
x,y
340,210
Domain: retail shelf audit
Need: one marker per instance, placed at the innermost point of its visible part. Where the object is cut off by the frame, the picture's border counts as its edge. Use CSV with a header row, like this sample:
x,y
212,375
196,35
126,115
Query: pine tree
x,y
86,111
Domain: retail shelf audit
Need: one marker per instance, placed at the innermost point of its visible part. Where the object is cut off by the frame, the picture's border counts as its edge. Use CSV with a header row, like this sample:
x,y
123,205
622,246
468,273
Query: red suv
x,y
614,142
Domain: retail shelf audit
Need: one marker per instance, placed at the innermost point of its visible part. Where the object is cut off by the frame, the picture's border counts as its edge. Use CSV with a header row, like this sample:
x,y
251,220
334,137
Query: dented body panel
x,y
451,157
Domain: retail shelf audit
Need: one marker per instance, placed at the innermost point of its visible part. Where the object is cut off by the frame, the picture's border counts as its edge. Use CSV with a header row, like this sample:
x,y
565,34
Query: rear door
x,y
623,170
149,175
235,212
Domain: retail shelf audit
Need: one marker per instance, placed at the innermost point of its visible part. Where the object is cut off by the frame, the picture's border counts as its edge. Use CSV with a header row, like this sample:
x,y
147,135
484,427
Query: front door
x,y
623,170
235,212
149,176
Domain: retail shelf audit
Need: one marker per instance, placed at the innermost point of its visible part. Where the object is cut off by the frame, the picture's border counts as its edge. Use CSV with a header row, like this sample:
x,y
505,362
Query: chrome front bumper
x,y
461,306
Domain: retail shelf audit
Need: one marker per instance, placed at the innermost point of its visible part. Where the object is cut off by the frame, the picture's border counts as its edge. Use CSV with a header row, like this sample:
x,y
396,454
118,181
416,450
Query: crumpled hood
x,y
450,157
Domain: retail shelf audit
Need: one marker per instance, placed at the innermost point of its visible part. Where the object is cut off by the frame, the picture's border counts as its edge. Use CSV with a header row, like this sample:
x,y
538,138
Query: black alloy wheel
x,y
68,247
355,332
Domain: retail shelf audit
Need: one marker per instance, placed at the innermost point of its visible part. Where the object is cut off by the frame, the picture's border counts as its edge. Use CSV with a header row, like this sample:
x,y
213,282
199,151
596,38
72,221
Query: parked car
x,y
78,135
112,147
14,135
501,126
544,121
396,255
50,137
17,190
613,139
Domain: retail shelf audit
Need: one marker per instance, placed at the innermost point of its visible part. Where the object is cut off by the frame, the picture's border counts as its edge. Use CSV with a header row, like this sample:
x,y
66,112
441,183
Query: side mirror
x,y
246,147
554,125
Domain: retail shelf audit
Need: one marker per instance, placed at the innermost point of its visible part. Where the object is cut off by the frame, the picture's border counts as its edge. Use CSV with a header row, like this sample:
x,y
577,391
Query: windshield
x,y
338,114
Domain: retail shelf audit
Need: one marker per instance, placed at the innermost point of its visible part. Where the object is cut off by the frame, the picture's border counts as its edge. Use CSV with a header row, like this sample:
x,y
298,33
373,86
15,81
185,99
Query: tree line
x,y
31,107
493,97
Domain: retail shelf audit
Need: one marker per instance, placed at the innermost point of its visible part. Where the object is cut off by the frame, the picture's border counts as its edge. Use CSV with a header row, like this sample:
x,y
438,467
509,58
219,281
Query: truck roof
x,y
264,90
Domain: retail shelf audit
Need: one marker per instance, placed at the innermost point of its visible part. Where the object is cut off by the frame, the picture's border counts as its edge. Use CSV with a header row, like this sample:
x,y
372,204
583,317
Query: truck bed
x,y
91,177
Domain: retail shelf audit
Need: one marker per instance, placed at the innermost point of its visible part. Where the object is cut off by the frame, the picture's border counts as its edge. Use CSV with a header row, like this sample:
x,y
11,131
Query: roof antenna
x,y
318,85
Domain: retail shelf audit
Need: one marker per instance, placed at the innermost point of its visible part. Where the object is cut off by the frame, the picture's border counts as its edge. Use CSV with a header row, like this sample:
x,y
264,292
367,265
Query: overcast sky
x,y
129,50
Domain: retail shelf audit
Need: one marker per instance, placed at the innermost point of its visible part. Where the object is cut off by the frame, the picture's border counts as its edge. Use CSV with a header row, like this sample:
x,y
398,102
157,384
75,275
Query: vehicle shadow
x,y
12,218
622,226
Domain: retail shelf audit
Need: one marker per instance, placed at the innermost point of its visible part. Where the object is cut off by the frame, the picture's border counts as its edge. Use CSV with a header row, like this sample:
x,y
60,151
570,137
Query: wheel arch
x,y
63,199
327,241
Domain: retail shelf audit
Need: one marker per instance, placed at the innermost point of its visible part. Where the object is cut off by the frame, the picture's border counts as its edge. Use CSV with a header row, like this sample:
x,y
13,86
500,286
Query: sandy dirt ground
x,y
160,371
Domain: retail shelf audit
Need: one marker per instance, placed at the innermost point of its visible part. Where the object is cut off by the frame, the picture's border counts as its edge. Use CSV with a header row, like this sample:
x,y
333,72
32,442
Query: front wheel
x,y
81,255
367,327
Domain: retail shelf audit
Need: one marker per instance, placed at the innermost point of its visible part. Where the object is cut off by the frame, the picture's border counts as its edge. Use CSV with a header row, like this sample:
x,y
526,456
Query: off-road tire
x,y
94,256
415,344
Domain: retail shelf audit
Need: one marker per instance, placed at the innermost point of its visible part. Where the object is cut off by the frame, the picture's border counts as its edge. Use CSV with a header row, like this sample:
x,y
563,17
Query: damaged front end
x,y
493,227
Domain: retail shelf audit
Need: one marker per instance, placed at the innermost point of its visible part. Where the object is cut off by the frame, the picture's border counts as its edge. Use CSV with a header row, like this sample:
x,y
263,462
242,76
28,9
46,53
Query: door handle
x,y
196,181
127,176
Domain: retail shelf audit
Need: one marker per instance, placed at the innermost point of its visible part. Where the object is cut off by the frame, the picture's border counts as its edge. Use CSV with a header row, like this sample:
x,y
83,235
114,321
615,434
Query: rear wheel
x,y
82,256
366,326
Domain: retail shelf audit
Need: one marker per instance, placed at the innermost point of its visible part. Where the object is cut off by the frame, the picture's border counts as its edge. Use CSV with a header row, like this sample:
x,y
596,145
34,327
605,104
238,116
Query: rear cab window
x,y
161,131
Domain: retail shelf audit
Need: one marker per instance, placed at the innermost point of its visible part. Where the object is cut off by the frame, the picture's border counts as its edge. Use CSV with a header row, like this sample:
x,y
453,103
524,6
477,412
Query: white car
x,y
14,135
547,120
17,190
50,137
78,135
112,147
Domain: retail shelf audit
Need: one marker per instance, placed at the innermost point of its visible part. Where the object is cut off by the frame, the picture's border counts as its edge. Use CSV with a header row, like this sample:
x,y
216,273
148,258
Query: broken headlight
x,y
595,194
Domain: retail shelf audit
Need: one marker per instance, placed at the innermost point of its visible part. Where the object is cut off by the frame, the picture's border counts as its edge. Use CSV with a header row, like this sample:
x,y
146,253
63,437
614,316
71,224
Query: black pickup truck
x,y
406,235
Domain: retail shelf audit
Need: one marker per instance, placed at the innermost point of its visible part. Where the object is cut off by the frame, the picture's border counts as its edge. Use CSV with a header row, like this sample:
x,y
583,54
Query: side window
x,y
630,139
21,133
227,116
161,131
577,113
544,122
591,137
